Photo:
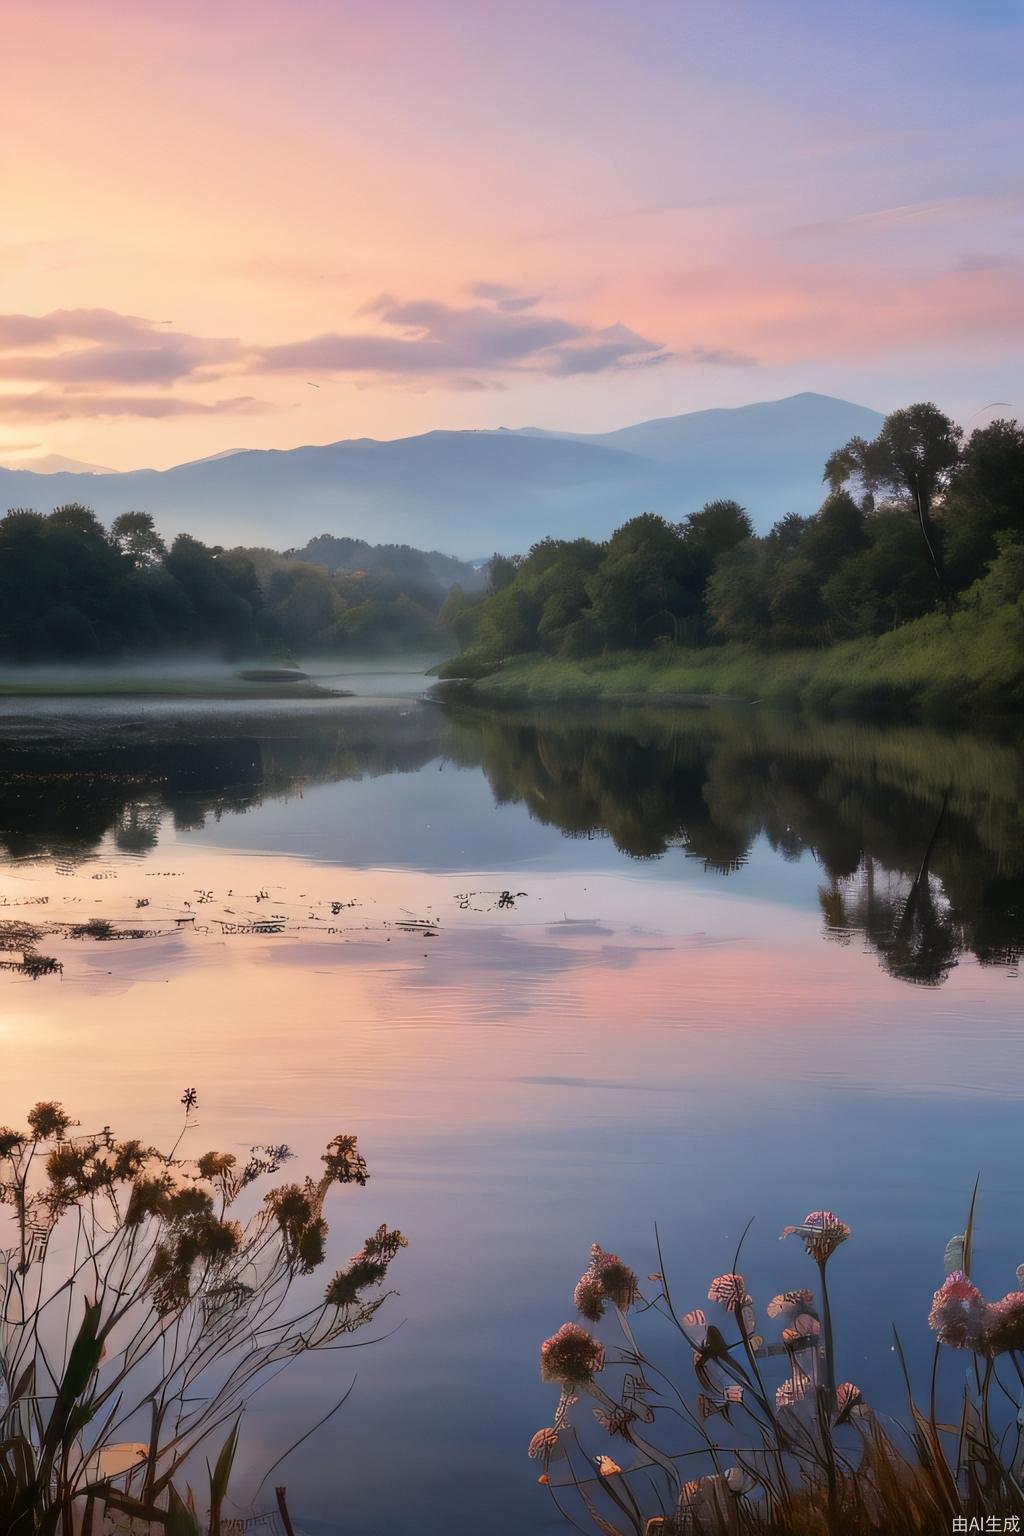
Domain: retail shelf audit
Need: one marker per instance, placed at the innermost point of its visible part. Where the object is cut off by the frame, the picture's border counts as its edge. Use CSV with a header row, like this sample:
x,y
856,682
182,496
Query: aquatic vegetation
x,y
800,1456
144,1298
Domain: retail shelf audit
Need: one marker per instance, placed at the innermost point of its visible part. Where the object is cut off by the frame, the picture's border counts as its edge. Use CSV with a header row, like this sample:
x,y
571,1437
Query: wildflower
x,y
1004,1324
619,1281
186,1203
822,1232
848,1397
606,1466
606,1279
571,1356
791,1304
544,1443
148,1198
729,1291
10,1141
365,1268
213,1165
190,1098
958,1312
48,1121
344,1162
588,1297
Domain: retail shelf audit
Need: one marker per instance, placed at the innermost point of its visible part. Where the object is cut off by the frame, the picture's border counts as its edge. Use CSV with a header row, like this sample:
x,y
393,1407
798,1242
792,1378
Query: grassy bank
x,y
971,664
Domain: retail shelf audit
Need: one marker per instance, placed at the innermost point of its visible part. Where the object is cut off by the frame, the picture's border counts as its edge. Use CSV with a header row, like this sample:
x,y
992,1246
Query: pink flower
x,y
848,1397
619,1281
544,1443
588,1297
822,1232
729,1291
571,1356
791,1304
958,1312
606,1279
1004,1325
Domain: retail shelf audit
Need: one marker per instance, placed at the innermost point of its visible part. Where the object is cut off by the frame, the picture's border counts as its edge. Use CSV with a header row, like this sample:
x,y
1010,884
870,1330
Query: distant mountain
x,y
56,464
471,492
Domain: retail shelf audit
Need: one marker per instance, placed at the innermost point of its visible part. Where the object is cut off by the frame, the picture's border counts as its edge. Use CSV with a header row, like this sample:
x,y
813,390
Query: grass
x,y
971,664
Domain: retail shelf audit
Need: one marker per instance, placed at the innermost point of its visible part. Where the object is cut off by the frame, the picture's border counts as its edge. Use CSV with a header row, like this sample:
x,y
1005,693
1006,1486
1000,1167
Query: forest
x,y
70,589
916,522
923,521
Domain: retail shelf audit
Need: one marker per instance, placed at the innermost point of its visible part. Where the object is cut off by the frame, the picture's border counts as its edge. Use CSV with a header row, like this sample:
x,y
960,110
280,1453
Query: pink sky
x,y
272,224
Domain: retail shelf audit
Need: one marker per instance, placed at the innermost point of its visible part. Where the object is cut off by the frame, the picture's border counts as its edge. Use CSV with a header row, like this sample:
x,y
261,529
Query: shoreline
x,y
967,666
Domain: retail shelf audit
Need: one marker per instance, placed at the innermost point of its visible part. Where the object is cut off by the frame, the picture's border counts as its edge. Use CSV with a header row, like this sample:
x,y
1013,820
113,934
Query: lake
x,y
565,976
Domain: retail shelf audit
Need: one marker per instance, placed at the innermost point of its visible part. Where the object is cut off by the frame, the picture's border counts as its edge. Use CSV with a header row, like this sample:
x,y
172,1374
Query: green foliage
x,y
70,590
932,515
971,664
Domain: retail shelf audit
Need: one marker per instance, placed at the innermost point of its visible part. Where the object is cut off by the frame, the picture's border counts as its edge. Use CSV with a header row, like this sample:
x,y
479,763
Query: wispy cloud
x,y
44,406
79,353
424,338
940,210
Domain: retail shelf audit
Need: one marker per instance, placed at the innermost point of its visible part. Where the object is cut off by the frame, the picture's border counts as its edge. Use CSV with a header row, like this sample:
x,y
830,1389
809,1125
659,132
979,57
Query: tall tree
x,y
911,460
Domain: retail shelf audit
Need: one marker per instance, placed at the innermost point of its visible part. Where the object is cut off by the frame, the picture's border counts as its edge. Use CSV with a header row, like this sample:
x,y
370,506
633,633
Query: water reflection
x,y
652,1031
919,834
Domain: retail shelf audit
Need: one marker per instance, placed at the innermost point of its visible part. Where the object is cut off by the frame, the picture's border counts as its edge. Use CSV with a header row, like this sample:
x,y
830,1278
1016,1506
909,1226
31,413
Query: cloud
x,y
941,210
78,354
510,299
77,347
62,407
424,338
718,357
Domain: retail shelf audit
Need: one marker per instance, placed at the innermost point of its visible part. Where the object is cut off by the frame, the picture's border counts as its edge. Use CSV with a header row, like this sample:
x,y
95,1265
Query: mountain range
x,y
471,492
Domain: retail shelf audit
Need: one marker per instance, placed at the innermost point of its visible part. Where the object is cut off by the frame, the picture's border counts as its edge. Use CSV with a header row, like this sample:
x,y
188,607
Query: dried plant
x,y
803,1455
134,1300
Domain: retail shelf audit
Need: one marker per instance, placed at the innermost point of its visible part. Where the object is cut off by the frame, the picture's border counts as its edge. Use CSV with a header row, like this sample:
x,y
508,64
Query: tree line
x,y
919,519
72,589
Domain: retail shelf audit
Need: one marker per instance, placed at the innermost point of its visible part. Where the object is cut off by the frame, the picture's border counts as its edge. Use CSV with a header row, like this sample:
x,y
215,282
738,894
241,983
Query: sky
x,y
277,222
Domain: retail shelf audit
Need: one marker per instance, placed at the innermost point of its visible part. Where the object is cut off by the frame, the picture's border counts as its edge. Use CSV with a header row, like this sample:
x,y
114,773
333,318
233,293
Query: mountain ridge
x,y
472,490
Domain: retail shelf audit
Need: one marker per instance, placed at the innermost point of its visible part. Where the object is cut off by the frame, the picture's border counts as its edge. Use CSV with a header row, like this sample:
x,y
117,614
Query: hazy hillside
x,y
471,492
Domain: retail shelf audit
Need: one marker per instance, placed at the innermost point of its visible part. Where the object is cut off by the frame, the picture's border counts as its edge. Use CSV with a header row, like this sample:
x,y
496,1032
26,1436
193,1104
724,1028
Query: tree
x,y
985,499
718,527
912,460
738,594
501,571
134,535
645,583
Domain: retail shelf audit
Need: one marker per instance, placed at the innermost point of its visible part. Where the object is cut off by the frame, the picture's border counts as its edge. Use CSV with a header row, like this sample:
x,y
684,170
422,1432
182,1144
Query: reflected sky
x,y
627,1041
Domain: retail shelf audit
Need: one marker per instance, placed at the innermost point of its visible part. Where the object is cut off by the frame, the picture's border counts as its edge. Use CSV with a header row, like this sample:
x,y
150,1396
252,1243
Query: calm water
x,y
564,977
